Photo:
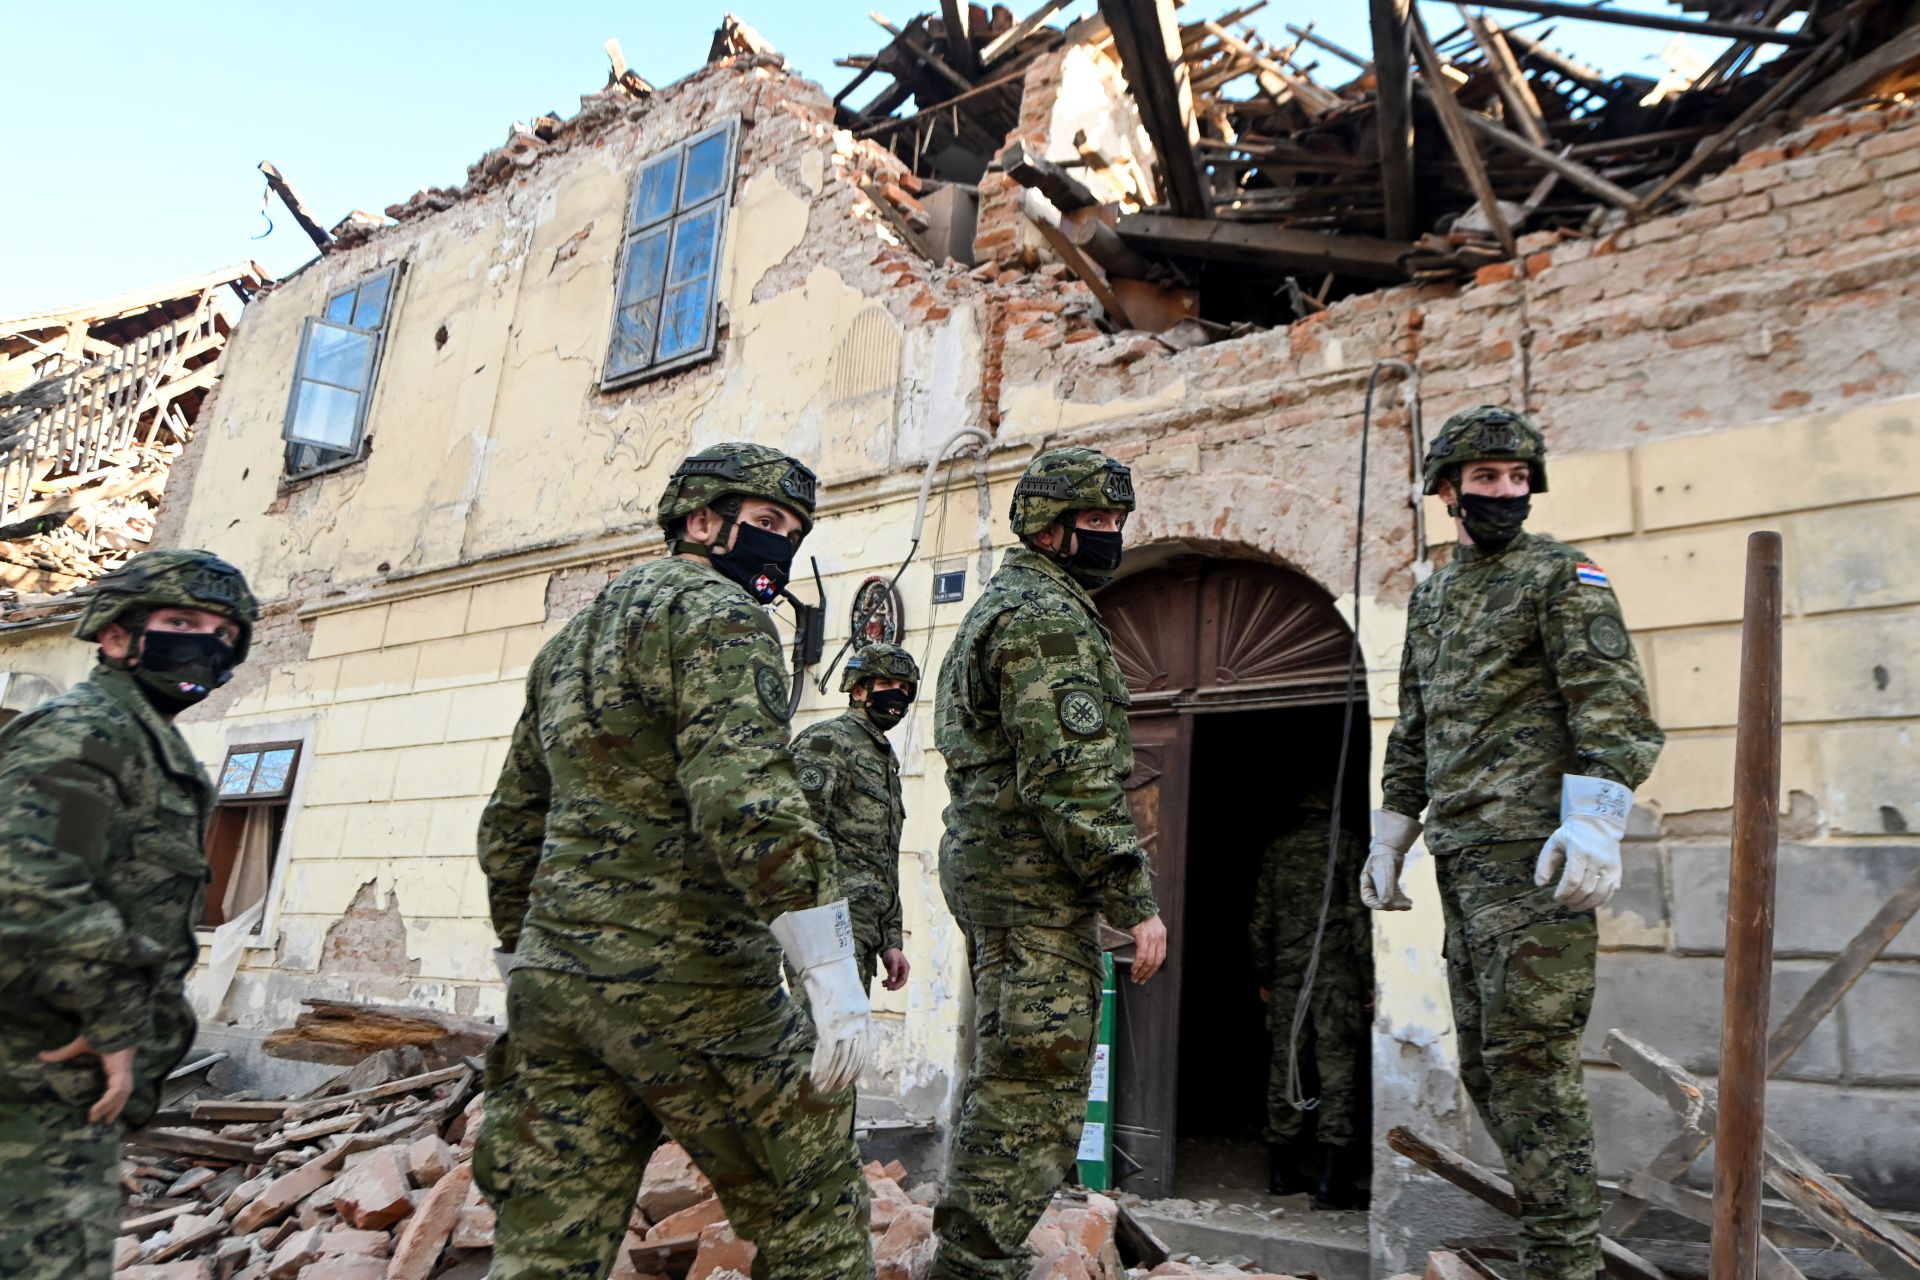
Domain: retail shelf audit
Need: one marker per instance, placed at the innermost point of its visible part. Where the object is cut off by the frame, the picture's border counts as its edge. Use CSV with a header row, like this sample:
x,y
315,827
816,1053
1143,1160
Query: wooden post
x,y
1739,1145
1394,112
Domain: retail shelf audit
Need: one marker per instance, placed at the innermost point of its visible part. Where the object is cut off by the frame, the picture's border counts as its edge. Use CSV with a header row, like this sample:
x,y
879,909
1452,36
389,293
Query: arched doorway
x,y
1237,671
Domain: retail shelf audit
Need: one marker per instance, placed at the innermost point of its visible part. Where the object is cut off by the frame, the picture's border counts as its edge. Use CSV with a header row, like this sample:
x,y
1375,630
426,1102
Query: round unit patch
x,y
1607,636
772,688
1080,713
812,777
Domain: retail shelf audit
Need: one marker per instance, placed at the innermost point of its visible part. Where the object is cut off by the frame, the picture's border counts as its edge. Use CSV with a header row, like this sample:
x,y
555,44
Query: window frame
x,y
250,796
632,234
357,450
267,736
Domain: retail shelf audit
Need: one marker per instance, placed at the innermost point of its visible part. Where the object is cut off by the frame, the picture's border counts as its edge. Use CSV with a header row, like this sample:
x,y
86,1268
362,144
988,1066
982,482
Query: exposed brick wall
x,y
996,236
1784,284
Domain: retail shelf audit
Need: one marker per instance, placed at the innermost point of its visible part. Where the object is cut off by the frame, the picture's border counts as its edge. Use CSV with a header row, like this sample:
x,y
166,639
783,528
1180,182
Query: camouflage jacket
x,y
1032,720
102,872
648,822
1286,909
848,770
1517,669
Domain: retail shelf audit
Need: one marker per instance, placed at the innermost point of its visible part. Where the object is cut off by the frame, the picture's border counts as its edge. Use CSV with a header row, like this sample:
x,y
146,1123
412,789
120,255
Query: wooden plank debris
x,y
295,206
1279,248
1453,124
1712,28
1787,1037
344,1032
1835,1209
1484,1184
1148,42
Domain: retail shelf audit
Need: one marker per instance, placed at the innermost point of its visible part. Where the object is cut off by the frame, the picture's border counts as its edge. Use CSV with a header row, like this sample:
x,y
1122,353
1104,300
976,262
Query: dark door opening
x,y
1248,770
1237,672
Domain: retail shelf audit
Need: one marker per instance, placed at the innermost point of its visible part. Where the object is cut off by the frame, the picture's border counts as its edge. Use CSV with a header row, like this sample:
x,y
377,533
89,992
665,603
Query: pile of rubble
x,y
367,1178
370,1177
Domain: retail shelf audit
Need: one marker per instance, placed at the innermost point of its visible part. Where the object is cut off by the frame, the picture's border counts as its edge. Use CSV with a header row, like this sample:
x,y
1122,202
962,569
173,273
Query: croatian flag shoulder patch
x,y
1591,574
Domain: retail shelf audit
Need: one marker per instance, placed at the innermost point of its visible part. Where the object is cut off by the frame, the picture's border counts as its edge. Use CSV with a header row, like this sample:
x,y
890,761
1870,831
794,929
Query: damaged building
x,y
433,444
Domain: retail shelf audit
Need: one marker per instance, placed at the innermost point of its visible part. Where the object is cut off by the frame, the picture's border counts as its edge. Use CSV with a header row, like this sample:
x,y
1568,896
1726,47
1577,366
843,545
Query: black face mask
x,y
179,669
1096,556
761,561
887,707
1493,522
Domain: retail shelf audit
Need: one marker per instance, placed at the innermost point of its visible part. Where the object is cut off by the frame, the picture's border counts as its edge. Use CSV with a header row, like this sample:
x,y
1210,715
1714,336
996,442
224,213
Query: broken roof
x,y
96,403
1287,170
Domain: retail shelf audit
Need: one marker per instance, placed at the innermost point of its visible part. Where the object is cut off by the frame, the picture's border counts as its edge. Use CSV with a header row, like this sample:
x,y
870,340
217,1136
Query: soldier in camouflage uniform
x,y
649,857
849,772
1523,729
1286,915
102,870
1032,720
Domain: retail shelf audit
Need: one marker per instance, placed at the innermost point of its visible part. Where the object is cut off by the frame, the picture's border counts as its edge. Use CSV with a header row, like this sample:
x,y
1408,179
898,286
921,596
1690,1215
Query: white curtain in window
x,y
252,865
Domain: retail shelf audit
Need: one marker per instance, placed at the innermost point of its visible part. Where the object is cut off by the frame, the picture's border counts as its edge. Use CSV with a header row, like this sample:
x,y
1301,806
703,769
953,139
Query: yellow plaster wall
x,y
49,652
488,431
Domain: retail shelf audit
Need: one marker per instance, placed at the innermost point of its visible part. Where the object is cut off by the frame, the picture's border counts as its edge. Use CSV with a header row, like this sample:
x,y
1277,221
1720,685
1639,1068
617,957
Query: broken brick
x,y
671,1183
374,1193
721,1250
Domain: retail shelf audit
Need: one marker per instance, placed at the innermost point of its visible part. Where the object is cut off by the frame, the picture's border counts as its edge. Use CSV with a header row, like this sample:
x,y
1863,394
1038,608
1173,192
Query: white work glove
x,y
1593,818
819,947
1393,834
503,961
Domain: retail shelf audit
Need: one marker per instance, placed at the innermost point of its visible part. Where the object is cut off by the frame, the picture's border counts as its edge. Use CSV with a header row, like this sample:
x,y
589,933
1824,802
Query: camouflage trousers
x,y
59,1192
1520,969
589,1074
1334,1039
1036,995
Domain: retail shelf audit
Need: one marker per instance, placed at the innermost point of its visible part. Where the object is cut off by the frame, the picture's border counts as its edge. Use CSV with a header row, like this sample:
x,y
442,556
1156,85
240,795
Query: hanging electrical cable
x,y
913,547
1301,1010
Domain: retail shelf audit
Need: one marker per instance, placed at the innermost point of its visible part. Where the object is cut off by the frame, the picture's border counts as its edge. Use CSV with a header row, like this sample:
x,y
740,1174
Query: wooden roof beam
x,y
1265,245
291,199
1747,31
1394,107
1148,41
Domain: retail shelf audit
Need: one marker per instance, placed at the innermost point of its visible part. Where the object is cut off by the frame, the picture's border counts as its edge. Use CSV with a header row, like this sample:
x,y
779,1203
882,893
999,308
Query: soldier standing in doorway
x,y
852,778
1039,844
650,856
103,867
1286,916
1524,728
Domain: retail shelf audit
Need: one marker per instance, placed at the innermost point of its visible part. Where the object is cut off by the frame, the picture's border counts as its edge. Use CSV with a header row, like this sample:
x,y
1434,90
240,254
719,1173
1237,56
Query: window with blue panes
x,y
333,376
669,262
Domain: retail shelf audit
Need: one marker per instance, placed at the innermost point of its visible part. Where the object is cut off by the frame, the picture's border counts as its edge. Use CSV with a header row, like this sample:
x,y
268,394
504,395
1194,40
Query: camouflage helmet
x,y
743,470
1063,480
879,660
179,579
1488,432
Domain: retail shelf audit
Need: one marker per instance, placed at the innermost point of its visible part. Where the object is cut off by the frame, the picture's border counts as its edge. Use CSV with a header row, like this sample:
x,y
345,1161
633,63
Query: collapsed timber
x,y
1278,174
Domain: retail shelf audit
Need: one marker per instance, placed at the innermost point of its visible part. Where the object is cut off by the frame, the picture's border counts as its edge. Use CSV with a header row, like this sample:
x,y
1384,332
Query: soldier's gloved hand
x,y
1393,834
503,961
819,947
1593,818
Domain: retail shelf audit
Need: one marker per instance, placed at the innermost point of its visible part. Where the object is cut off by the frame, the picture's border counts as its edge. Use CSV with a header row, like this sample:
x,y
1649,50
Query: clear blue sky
x,y
133,128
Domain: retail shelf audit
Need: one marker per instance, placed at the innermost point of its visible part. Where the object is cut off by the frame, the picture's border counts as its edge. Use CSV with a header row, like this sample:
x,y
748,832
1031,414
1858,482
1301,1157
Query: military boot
x,y
1334,1187
1285,1174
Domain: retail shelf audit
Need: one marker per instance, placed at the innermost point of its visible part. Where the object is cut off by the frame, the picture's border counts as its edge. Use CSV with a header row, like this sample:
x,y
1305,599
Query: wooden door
x,y
1196,635
1147,1027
